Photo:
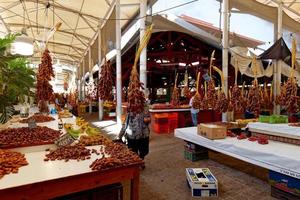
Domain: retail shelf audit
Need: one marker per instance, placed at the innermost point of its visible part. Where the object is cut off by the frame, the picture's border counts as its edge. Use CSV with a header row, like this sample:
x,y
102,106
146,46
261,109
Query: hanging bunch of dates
x,y
136,97
254,99
267,100
222,102
92,91
230,102
237,99
105,84
44,91
211,94
175,101
186,90
197,99
288,97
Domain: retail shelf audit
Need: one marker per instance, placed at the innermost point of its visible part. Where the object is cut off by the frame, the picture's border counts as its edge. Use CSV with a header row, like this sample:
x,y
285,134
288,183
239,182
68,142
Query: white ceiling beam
x,y
102,23
77,49
87,22
61,7
10,6
48,28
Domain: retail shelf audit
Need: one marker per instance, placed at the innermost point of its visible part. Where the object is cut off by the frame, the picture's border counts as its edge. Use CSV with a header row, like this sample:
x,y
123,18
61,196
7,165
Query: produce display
x,y
44,91
175,98
17,137
222,102
120,156
106,82
254,99
38,118
94,140
237,99
10,162
197,99
76,152
136,97
288,97
64,114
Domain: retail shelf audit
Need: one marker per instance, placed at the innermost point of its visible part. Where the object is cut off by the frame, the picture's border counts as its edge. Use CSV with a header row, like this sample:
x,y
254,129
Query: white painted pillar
x,y
118,65
225,46
99,72
90,77
278,63
143,56
83,81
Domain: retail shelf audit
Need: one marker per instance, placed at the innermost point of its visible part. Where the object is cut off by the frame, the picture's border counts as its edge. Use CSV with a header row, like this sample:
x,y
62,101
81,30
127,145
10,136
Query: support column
x,y
143,56
278,63
99,73
90,78
83,81
118,65
225,16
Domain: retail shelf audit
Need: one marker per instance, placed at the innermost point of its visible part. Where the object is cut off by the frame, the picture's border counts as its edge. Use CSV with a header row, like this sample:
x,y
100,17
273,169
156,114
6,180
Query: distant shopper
x,y
136,131
194,112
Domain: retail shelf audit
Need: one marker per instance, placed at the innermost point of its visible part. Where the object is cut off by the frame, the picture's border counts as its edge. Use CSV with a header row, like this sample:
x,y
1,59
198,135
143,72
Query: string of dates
x,y
175,94
197,99
105,84
136,98
254,98
221,104
44,91
186,90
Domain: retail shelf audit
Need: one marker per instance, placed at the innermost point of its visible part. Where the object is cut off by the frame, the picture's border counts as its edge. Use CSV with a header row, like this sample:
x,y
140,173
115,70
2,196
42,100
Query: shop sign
x,y
64,140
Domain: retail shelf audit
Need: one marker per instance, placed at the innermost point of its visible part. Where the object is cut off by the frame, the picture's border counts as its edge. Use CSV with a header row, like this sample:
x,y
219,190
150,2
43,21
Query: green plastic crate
x,y
192,156
264,118
279,119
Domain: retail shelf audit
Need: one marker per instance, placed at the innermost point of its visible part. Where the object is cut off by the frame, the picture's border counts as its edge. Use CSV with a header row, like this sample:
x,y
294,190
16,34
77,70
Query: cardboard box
x,y
212,131
202,182
284,183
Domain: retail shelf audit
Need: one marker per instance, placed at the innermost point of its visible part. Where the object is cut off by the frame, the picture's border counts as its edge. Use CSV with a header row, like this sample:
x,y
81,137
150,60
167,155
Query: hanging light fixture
x,y
23,45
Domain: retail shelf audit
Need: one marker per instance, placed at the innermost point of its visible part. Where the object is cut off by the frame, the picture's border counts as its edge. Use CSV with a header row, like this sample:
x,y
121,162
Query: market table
x,y
46,180
276,156
275,129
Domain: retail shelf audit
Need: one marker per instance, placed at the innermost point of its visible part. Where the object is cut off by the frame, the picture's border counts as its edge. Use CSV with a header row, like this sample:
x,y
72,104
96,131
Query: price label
x,y
32,124
206,77
64,140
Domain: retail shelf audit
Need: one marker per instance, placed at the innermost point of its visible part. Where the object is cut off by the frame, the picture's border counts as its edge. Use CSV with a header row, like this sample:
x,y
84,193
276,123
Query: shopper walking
x,y
194,112
136,131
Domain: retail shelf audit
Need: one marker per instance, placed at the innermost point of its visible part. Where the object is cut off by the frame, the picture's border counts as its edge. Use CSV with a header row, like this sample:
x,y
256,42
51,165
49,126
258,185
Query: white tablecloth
x,y
276,156
283,130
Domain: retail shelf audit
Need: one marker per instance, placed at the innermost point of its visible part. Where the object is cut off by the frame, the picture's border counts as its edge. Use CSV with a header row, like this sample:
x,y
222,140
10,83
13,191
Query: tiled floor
x,y
164,176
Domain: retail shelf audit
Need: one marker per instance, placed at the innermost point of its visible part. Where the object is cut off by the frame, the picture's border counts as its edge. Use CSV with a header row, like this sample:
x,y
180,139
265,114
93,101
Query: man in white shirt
x,y
194,112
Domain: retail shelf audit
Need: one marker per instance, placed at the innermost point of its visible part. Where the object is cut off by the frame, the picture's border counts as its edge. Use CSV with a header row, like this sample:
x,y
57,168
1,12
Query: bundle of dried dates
x,y
106,82
10,162
230,102
94,140
288,96
254,99
175,101
186,90
197,99
38,118
76,152
136,98
119,154
14,137
221,104
237,99
44,91
211,94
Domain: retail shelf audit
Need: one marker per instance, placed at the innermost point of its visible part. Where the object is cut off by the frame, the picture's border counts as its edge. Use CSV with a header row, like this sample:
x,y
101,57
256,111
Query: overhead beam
x,y
77,49
10,6
61,7
75,57
87,22
37,58
43,27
